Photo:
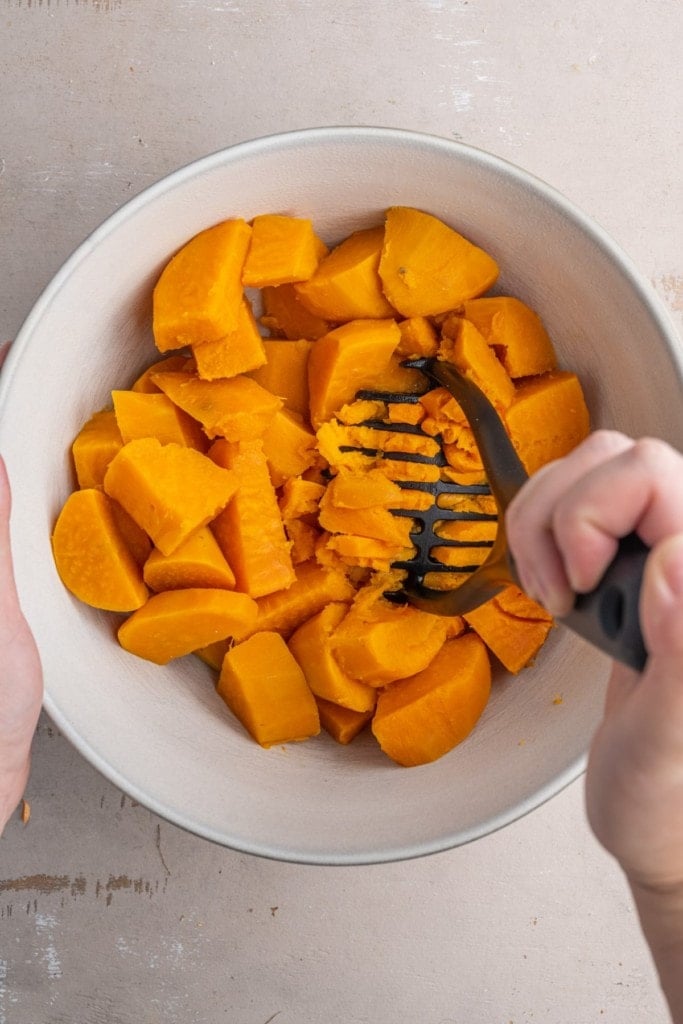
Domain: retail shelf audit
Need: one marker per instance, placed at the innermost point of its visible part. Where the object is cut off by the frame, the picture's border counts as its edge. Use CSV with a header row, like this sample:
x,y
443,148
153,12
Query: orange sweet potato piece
x,y
177,622
405,412
398,378
348,358
197,562
300,497
418,338
346,285
169,490
342,724
237,408
92,557
250,531
139,414
298,503
171,364
359,503
289,447
285,316
285,373
265,689
236,352
213,654
362,552
137,541
304,538
197,297
427,268
335,438
378,642
419,719
313,588
548,418
474,538
95,445
311,648
515,331
467,349
282,250
512,626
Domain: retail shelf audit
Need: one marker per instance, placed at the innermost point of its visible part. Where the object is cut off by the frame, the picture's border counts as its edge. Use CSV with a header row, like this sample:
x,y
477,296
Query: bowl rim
x,y
297,137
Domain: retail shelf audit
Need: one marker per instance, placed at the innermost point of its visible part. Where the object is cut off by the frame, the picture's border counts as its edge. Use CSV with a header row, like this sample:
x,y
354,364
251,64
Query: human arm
x,y
21,684
562,530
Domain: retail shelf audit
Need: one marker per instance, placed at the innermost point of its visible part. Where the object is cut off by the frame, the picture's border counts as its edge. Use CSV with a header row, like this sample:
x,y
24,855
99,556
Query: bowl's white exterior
x,y
161,734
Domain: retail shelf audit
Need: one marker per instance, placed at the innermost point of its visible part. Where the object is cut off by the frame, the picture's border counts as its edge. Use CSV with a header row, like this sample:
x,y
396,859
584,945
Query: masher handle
x,y
609,616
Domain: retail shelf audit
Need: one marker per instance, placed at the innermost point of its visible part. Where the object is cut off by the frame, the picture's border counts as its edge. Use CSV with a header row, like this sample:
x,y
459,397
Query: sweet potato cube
x,y
348,358
171,364
177,622
139,414
419,719
427,268
418,338
512,626
289,447
311,648
314,587
285,373
237,408
95,445
467,349
515,331
341,723
346,285
548,418
91,554
285,316
250,531
265,689
378,642
197,297
282,250
169,490
236,352
197,562
300,497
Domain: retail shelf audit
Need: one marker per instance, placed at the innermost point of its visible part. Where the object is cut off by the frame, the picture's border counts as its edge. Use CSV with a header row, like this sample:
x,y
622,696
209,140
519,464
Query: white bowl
x,y
161,734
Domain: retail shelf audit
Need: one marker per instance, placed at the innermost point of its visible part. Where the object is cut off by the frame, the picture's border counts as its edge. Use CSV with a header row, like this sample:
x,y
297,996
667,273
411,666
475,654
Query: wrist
x,y
660,910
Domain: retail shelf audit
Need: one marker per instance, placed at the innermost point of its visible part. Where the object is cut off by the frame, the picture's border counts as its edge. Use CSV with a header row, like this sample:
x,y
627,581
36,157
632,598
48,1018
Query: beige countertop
x,y
108,914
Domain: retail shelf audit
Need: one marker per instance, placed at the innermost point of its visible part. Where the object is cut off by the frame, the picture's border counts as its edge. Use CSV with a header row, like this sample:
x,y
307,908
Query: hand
x,y
563,529
21,682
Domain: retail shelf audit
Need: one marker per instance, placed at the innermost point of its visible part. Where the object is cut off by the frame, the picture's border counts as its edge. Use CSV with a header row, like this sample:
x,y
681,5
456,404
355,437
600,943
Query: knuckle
x,y
652,453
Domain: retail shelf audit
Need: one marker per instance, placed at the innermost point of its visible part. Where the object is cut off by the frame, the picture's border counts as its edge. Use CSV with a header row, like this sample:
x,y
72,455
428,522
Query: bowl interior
x,y
162,734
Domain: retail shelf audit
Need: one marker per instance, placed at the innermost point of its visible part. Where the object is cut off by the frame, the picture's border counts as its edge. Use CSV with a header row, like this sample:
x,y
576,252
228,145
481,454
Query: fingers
x,y
20,674
640,489
563,528
531,517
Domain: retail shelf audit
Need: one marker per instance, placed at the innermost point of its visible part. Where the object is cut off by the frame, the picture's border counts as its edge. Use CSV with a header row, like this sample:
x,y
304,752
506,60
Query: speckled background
x,y
109,915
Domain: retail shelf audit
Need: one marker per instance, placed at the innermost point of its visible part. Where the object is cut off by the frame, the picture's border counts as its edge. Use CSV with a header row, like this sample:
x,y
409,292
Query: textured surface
x,y
109,914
